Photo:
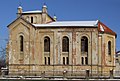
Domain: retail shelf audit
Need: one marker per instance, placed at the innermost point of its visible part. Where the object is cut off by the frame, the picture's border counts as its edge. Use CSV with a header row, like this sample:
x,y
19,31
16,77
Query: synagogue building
x,y
38,44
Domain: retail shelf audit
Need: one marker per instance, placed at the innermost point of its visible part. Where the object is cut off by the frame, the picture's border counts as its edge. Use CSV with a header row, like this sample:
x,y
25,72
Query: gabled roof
x,y
103,28
22,19
96,24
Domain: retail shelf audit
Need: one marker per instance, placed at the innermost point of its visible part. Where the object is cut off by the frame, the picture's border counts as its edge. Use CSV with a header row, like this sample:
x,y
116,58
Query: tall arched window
x,y
21,43
84,44
46,44
109,47
31,19
82,60
65,44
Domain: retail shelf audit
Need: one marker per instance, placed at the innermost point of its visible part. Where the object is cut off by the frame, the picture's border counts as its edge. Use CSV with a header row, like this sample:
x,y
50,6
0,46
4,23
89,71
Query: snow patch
x,y
68,24
101,28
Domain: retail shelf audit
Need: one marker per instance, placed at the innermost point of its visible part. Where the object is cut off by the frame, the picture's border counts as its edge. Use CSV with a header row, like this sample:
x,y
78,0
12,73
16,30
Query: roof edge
x,y
22,19
106,29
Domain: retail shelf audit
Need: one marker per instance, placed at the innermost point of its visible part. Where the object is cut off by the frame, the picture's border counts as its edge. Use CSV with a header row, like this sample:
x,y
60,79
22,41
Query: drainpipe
x,y
91,53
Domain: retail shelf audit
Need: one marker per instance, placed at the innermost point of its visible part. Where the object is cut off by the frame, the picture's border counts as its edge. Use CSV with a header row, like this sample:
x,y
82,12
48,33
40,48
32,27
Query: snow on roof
x,y
69,23
36,11
101,28
20,7
44,6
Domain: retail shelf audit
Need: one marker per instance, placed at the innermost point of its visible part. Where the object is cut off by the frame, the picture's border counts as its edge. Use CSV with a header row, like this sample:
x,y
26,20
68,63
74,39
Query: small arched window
x,y
109,47
21,43
31,19
63,60
84,44
65,44
46,44
45,61
86,60
82,60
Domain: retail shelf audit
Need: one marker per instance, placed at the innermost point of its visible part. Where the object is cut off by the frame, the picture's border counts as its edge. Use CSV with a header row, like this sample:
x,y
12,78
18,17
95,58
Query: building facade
x,y
40,44
117,63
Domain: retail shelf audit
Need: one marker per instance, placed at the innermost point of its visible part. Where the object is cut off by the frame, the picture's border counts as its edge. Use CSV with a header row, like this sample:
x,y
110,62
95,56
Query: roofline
x,y
48,24
50,17
29,13
113,33
20,17
66,26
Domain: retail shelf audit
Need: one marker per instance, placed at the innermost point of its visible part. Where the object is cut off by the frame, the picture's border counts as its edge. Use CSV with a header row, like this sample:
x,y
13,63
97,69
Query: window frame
x,y
46,44
21,43
84,44
32,20
65,44
109,47
63,60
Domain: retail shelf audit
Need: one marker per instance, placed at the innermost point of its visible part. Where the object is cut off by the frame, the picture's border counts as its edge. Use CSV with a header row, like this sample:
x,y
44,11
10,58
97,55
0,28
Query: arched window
x,y
48,60
46,44
31,19
82,60
86,60
84,44
67,60
45,60
65,44
63,60
21,43
109,47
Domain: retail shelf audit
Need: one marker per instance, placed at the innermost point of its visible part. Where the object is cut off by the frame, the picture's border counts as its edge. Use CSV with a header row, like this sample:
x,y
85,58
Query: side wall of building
x,y
106,54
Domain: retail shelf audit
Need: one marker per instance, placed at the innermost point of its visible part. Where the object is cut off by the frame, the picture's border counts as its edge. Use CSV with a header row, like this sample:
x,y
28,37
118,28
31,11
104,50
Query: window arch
x,y
46,44
31,19
21,43
84,44
65,44
109,47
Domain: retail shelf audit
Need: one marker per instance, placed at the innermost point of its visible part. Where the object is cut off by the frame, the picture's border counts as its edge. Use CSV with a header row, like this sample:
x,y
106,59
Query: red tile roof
x,y
103,28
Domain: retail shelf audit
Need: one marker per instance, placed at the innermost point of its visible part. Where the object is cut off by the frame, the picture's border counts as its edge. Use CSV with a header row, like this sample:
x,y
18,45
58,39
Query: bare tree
x,y
2,57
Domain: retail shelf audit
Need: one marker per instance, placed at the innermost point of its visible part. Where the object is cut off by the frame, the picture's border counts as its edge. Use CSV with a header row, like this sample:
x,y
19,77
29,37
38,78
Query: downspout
x,y
98,55
91,53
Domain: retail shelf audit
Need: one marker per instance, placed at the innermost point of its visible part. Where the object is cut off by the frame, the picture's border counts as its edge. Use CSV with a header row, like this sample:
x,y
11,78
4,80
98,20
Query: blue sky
x,y
107,11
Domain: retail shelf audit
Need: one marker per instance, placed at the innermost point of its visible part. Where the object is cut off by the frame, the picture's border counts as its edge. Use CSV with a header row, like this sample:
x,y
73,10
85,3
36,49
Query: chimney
x,y
44,8
44,14
19,11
